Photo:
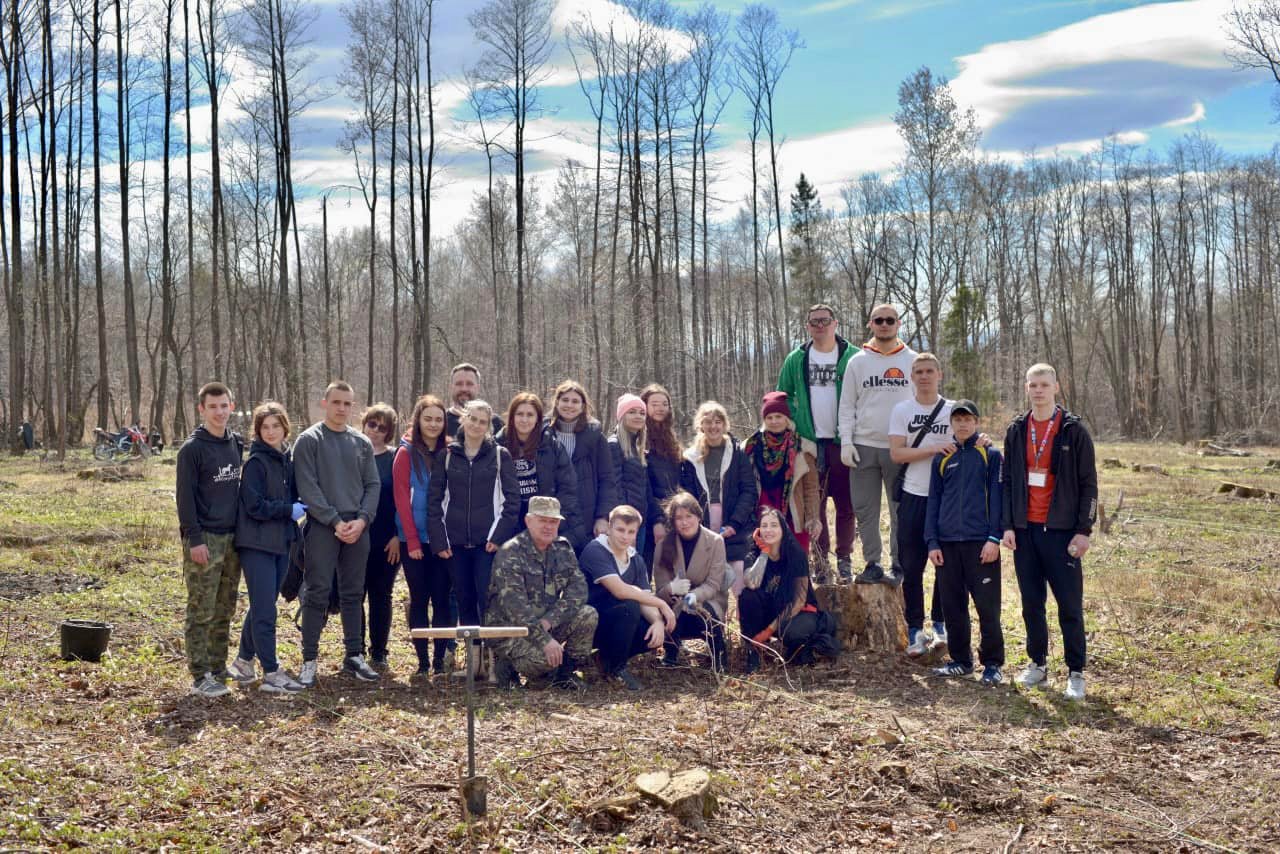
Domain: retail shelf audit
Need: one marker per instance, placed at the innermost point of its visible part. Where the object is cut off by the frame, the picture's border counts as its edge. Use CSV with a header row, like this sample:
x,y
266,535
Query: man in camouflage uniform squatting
x,y
536,583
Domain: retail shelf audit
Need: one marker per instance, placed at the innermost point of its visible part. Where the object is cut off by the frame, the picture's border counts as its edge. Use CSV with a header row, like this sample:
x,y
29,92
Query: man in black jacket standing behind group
x,y
208,486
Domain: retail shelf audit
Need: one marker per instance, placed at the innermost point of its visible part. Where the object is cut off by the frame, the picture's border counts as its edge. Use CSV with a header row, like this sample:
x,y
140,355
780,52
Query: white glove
x,y
849,456
679,587
691,600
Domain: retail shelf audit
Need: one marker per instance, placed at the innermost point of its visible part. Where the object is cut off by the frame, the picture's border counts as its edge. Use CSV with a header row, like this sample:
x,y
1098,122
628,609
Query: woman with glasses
x,y
379,426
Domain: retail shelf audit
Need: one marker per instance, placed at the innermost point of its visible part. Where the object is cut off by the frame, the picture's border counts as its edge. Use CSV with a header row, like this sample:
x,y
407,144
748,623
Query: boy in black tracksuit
x,y
962,529
1050,503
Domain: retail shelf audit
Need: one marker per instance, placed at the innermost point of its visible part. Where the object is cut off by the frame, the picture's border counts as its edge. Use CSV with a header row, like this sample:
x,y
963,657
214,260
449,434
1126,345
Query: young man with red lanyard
x,y
1050,503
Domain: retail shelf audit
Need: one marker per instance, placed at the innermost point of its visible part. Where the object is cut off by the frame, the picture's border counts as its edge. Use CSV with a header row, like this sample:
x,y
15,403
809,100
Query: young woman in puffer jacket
x,y
629,449
472,504
428,575
580,434
266,526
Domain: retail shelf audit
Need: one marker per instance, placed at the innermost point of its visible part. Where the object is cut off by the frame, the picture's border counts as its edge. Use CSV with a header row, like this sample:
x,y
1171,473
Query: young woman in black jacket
x,y
380,425
266,526
542,464
580,434
476,477
663,460
718,473
629,449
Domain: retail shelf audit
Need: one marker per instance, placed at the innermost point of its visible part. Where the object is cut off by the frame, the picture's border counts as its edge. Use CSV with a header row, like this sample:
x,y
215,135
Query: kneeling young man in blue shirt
x,y
962,529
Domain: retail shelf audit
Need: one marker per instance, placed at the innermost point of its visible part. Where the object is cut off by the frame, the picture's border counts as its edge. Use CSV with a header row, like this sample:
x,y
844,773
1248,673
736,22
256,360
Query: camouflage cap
x,y
545,505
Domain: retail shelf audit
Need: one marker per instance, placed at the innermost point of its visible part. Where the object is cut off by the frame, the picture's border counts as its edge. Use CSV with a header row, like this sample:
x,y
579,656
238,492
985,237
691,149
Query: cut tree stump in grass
x,y
1239,490
871,615
685,794
1148,468
1112,463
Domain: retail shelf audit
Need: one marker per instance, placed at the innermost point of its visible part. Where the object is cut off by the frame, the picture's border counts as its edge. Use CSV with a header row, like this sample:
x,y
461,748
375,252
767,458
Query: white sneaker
x,y
939,636
1034,676
1075,687
209,688
279,682
243,671
919,643
307,676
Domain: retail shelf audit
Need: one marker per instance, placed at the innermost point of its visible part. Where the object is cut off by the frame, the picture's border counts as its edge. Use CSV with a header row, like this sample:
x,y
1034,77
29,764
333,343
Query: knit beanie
x,y
774,401
628,402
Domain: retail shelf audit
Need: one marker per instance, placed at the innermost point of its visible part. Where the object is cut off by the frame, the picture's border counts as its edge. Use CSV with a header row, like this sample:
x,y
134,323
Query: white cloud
x,y
1187,34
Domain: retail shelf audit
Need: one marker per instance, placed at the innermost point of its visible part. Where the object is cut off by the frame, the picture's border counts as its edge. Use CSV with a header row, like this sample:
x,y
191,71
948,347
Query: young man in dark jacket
x,y
962,530
208,486
1050,503
338,481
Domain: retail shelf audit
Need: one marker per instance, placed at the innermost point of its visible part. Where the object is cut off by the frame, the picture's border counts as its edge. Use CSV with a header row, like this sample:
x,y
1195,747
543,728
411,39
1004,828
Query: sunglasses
x,y
884,321
821,322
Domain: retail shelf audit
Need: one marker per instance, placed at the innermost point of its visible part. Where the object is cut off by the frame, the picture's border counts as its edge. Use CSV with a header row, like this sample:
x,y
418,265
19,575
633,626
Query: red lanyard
x,y
1044,443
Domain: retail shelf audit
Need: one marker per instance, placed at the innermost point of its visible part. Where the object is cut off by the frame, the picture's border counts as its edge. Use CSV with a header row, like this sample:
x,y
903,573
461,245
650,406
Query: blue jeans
x,y
263,574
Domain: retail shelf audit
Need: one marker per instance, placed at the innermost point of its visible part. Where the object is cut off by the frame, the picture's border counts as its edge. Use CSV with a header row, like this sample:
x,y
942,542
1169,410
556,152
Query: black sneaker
x,y
893,577
357,667
873,574
753,662
566,680
504,674
378,662
628,680
670,657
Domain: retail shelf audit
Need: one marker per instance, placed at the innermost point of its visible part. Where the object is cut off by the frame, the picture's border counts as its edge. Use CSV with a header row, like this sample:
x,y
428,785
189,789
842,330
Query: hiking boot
x,y
628,680
893,577
1035,676
844,568
209,688
953,668
357,667
1075,687
753,661
566,679
307,676
243,671
919,643
991,676
504,674
873,574
279,682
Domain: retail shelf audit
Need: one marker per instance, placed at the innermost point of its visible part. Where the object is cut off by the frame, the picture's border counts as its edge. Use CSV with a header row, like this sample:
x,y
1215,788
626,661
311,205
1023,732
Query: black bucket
x,y
84,640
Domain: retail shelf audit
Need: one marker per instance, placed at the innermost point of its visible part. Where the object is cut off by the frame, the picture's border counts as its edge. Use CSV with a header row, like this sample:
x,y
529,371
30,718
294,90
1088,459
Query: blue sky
x,y
1041,74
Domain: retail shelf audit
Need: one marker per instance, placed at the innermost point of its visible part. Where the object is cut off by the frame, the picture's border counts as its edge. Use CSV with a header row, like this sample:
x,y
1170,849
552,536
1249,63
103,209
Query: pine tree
x,y
808,267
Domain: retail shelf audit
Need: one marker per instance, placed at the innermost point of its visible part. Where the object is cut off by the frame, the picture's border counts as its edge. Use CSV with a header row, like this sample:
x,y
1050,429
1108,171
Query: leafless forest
x,y
1148,276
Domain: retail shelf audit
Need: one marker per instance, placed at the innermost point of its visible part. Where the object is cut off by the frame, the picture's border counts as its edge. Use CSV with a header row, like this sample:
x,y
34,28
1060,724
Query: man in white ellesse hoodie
x,y
876,379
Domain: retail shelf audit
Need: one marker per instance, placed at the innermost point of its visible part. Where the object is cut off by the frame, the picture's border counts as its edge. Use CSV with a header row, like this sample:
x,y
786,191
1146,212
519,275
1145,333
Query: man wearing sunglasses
x,y
877,378
810,378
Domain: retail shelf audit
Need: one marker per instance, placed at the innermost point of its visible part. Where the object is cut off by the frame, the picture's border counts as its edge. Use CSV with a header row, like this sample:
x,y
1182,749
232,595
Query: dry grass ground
x,y
1176,749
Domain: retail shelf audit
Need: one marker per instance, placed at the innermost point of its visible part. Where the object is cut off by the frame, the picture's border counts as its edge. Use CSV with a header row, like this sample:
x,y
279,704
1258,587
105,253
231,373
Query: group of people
x,y
609,547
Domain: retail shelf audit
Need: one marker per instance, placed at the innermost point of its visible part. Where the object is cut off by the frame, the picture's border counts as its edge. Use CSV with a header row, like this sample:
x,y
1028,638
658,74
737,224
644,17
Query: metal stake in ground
x,y
474,787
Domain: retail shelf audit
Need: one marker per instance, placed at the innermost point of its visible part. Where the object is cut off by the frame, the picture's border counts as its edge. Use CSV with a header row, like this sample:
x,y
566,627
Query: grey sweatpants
x,y
330,561
875,473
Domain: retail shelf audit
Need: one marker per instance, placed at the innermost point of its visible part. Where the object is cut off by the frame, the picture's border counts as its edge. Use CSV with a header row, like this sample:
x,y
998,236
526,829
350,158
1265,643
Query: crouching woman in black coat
x,y
778,599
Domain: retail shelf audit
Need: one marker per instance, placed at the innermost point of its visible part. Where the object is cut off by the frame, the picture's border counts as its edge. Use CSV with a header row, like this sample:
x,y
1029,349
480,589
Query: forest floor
x,y
1177,747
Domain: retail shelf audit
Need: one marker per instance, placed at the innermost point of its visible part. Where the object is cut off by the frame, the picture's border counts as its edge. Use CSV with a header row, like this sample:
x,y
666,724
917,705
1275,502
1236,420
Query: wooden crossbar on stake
x,y
474,788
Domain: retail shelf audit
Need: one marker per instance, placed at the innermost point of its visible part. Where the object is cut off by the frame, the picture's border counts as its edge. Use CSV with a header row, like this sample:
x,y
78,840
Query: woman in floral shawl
x,y
786,468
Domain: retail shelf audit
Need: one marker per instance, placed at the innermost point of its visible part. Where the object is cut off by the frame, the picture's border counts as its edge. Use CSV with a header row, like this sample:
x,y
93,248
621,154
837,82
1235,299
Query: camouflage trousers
x,y
526,655
211,603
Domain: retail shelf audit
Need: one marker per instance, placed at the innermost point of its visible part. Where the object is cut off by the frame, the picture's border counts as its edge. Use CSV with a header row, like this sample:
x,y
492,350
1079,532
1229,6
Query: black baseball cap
x,y
965,407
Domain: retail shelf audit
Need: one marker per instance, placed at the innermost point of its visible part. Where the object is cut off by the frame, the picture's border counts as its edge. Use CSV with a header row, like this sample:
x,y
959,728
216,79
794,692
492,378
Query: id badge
x,y
1037,477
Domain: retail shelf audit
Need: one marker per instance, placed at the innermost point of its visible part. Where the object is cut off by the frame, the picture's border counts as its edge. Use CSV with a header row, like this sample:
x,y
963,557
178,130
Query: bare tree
x,y
517,39
1254,31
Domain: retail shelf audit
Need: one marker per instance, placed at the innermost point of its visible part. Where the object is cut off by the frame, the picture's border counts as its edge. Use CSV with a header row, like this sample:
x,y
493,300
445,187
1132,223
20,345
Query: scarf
x,y
774,457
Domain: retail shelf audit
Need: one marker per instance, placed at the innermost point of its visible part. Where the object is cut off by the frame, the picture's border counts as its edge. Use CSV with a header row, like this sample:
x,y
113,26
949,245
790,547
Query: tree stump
x,y
871,615
1112,463
686,794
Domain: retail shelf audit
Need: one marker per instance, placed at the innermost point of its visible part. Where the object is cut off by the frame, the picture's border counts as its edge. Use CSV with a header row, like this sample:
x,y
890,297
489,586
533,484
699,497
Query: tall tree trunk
x,y
130,310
